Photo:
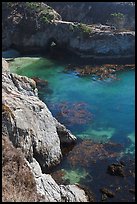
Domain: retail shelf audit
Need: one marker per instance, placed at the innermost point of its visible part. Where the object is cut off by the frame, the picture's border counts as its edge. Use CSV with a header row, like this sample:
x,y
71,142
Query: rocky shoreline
x,y
81,39
30,126
32,138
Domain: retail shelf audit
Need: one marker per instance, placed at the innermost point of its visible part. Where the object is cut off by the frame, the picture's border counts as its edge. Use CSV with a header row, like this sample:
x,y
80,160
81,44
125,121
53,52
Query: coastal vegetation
x,y
68,102
118,20
38,11
85,28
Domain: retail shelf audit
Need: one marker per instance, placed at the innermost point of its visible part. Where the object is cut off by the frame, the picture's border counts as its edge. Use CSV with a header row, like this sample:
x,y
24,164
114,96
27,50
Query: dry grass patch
x,y
18,184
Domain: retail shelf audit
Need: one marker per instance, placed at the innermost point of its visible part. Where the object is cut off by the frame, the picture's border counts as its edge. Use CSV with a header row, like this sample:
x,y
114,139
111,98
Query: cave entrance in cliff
x,y
54,49
52,44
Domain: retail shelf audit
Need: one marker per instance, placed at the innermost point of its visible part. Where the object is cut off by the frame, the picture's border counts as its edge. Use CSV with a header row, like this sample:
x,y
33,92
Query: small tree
x,y
117,19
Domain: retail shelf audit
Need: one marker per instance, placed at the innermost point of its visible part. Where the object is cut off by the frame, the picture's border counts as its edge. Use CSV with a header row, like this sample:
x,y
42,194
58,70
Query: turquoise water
x,y
92,109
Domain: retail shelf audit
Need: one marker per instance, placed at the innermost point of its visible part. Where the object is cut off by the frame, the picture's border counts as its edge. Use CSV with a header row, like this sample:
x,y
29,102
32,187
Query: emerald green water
x,y
102,111
109,105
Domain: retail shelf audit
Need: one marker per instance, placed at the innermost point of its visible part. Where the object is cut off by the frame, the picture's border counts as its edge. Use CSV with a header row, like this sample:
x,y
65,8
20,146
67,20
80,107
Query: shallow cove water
x,y
94,110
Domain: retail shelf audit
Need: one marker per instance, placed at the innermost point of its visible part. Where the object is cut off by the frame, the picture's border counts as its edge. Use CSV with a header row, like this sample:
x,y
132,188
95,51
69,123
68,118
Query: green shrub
x,y
39,10
118,15
118,20
84,28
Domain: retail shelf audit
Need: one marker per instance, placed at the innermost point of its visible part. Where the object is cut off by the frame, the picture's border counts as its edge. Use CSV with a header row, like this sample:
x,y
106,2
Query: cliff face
x,y
95,12
25,182
18,183
24,19
51,191
5,66
26,121
81,39
31,137
29,123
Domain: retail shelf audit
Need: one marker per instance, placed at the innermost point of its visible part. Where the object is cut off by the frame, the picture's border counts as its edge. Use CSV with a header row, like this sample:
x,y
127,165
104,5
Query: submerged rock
x,y
132,190
116,170
74,176
107,192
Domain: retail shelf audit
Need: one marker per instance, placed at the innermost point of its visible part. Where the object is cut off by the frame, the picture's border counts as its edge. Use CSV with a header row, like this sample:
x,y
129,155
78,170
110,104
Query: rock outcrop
x,y
29,123
31,128
25,182
89,12
51,191
18,183
5,65
81,39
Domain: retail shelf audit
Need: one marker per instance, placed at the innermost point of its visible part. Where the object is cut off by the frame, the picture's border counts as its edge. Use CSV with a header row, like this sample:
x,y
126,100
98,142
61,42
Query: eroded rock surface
x,y
5,65
30,126
18,184
89,12
29,123
81,39
53,192
25,182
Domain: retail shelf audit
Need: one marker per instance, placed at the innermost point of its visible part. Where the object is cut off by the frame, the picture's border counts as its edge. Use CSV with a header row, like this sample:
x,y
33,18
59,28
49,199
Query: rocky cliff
x,y
32,137
25,182
26,29
29,125
89,12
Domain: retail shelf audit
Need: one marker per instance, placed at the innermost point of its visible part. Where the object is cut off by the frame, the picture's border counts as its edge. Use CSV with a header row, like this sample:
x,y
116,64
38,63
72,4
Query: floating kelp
x,y
107,192
102,71
87,152
72,113
40,82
